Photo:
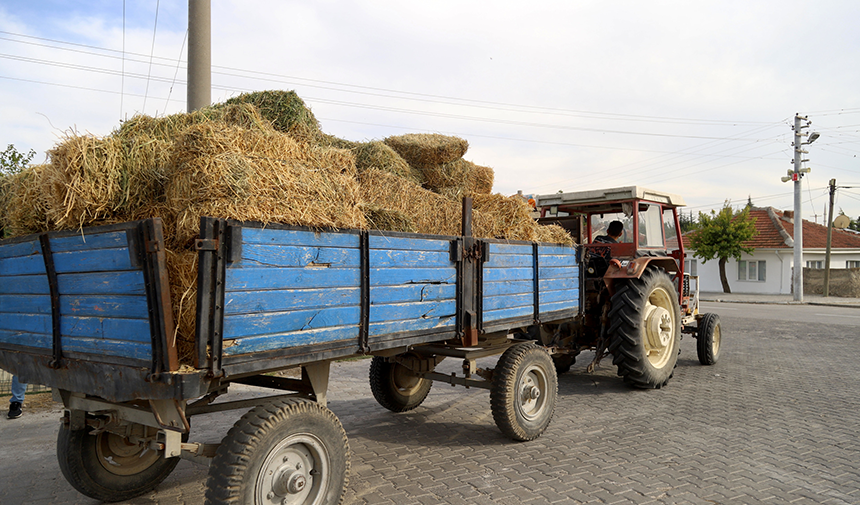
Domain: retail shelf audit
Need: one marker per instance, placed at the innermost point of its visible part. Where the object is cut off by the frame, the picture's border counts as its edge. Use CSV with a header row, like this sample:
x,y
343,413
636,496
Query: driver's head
x,y
615,229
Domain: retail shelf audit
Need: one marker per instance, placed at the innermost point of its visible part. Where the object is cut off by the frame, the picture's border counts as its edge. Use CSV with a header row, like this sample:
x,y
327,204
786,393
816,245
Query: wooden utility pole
x,y
829,238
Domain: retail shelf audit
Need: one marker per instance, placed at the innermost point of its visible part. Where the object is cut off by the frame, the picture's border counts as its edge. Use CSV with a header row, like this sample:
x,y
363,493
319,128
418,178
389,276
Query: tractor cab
x,y
646,232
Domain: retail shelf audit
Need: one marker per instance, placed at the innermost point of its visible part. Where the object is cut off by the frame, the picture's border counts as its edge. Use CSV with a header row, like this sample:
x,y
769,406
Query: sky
x,y
695,98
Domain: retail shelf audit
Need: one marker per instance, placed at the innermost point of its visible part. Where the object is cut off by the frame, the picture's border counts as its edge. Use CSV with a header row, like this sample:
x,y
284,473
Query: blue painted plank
x,y
408,243
99,283
109,240
37,340
121,330
494,288
284,340
31,304
30,248
557,273
282,322
266,255
508,274
495,315
509,260
24,285
501,302
521,249
412,293
558,296
395,276
132,350
299,238
246,302
389,327
557,261
22,265
105,306
556,249
286,278
552,307
410,259
412,311
557,284
33,323
94,260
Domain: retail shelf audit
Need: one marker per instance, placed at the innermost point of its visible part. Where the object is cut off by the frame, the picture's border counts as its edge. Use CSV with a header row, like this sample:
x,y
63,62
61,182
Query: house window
x,y
691,266
815,264
852,264
752,270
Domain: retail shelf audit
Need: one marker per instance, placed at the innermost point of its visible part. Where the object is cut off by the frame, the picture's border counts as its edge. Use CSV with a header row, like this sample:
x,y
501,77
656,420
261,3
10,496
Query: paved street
x,y
775,421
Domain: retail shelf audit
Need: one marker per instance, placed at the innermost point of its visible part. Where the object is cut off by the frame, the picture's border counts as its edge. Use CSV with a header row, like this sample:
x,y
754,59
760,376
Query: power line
x,y
151,52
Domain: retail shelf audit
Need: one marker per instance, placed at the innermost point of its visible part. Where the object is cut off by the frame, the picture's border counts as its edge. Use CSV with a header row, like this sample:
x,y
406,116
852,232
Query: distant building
x,y
768,269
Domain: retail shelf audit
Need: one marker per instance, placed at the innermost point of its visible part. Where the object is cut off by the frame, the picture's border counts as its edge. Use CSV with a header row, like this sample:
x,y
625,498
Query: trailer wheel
x,y
708,339
108,467
286,452
645,329
563,362
524,391
396,387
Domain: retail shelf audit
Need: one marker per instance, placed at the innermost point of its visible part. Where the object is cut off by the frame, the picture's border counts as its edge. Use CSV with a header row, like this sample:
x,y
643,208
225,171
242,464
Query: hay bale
x,y
420,149
252,175
327,140
286,111
182,272
509,218
458,178
378,155
23,206
429,212
245,115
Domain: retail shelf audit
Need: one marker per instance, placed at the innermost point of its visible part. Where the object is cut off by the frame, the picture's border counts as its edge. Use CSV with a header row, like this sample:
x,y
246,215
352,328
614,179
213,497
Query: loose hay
x,y
23,206
420,149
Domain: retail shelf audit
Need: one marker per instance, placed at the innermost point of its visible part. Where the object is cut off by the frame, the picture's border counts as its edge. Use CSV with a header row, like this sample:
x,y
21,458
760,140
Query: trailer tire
x,y
523,392
645,329
106,467
708,339
396,387
289,451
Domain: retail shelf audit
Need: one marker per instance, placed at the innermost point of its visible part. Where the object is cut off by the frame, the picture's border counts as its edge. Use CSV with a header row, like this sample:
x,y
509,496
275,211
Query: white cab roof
x,y
610,195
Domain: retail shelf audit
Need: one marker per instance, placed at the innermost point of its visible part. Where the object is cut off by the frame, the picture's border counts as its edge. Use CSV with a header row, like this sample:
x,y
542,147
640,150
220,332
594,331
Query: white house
x,y
768,268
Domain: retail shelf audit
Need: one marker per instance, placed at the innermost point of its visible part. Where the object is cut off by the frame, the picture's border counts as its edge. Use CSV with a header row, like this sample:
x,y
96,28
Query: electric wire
x,y
151,52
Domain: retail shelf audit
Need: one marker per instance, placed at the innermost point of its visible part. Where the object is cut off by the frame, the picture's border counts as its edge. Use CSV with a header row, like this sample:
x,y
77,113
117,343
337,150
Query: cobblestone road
x,y
775,421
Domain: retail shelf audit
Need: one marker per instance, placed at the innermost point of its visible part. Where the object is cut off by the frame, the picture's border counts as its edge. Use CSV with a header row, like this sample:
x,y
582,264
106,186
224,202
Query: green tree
x,y
12,162
721,235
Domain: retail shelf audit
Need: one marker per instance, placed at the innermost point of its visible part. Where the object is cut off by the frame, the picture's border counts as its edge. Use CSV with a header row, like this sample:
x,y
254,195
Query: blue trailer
x,y
88,313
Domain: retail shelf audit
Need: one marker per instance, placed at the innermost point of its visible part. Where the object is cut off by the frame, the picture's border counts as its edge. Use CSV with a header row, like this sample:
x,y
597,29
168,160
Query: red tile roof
x,y
773,229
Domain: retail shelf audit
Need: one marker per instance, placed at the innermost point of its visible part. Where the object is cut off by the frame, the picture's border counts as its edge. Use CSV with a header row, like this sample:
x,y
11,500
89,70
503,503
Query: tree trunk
x,y
726,288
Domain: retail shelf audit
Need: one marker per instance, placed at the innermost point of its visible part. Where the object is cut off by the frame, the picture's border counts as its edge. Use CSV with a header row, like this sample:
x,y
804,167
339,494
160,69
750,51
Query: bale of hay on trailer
x,y
458,178
420,149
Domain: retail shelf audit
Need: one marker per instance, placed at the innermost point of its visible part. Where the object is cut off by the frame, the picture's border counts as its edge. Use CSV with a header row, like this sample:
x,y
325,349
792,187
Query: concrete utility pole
x,y
829,238
796,175
798,218
199,54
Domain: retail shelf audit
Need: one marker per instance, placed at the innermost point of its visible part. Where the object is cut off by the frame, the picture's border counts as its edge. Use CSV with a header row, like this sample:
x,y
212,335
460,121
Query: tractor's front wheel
x,y
645,329
708,337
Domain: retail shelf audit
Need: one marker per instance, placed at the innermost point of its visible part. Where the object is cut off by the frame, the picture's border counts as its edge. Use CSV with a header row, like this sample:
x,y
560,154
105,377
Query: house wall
x,y
779,263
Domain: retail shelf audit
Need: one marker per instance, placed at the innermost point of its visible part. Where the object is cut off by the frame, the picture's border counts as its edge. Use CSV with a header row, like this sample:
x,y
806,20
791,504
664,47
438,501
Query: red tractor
x,y
637,299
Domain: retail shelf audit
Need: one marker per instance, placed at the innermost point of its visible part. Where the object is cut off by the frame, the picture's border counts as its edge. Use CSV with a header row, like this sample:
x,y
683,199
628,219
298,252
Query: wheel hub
x,y
531,402
293,472
658,327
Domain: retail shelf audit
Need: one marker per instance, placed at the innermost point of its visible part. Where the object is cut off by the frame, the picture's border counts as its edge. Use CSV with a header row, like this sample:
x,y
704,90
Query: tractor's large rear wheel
x,y
645,329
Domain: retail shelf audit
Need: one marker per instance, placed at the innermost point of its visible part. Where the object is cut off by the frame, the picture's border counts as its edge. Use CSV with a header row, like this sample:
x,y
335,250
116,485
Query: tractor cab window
x,y
650,226
600,225
669,230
